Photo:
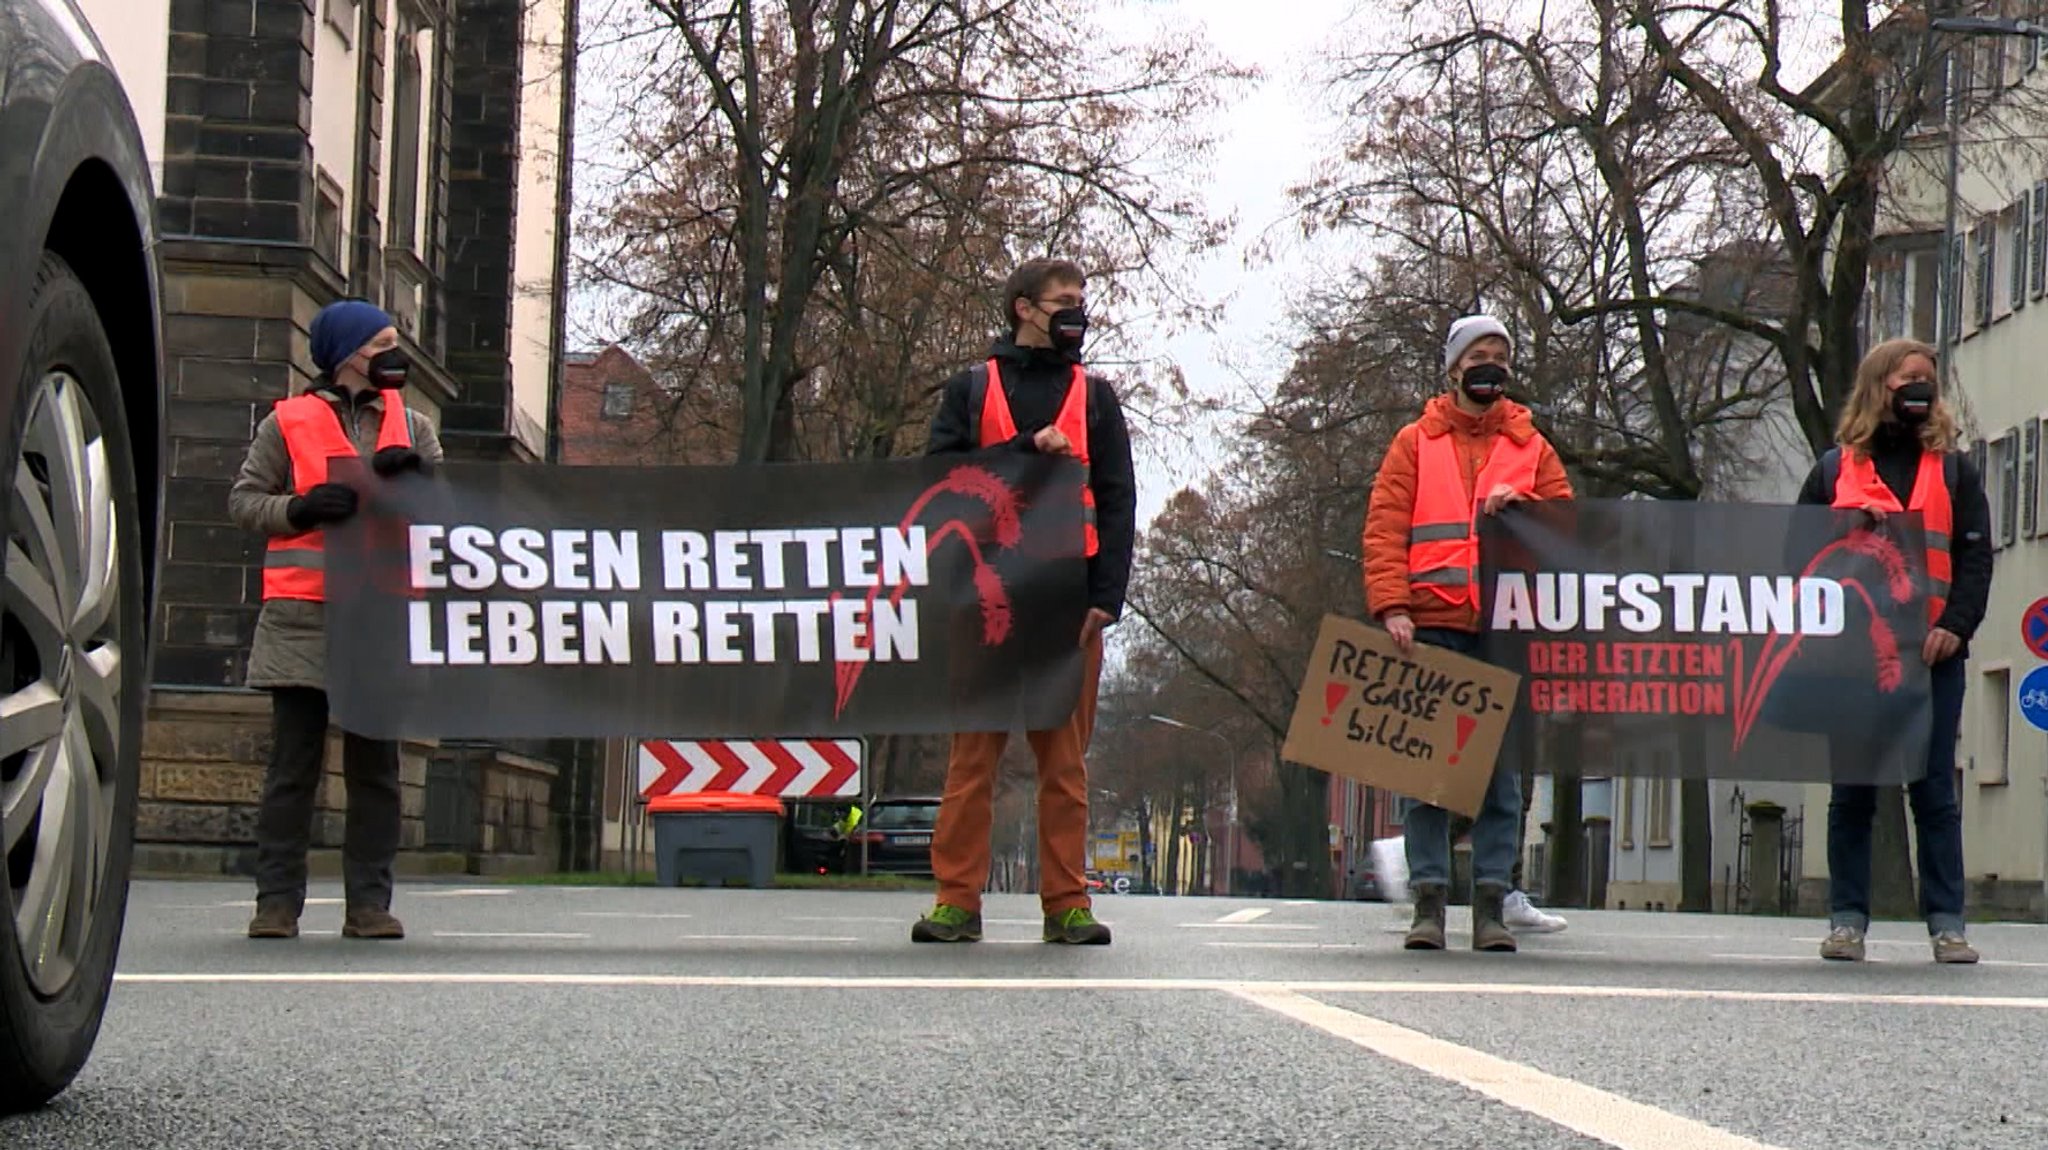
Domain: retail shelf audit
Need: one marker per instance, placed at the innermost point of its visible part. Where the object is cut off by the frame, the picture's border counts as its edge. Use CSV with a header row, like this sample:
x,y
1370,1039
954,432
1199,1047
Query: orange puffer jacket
x,y
1393,503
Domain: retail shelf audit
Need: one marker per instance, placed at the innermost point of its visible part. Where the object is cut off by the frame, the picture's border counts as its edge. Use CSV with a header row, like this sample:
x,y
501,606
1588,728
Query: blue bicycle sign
x,y
2034,697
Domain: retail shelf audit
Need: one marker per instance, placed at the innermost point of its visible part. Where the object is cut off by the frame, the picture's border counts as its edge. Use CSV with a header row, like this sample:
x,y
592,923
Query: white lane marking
x,y
1299,902
242,932
1249,926
881,982
632,914
1248,914
508,934
759,938
250,904
1814,958
850,918
1294,946
1595,1113
460,892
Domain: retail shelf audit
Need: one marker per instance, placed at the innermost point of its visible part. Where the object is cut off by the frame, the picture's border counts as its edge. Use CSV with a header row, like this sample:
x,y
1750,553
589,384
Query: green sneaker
x,y
947,924
1076,927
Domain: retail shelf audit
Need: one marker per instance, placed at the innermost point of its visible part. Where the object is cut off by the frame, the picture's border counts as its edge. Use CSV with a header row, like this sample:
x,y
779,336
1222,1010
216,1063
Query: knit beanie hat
x,y
342,328
1468,331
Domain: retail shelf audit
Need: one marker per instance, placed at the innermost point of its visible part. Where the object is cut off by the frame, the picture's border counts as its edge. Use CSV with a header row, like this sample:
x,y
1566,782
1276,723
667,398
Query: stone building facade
x,y
411,152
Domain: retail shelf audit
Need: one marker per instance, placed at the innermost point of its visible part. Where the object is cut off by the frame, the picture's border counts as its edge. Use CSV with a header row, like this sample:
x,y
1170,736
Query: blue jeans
x,y
1937,821
1496,833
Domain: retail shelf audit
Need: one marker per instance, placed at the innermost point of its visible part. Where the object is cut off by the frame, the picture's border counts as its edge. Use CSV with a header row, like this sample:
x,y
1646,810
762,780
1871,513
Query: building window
x,y
327,230
2030,478
2006,455
2022,251
1994,710
1986,279
1625,788
2039,236
408,83
618,401
1659,830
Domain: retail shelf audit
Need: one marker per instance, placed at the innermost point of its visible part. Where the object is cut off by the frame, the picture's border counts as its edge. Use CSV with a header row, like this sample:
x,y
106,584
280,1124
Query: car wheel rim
x,y
60,681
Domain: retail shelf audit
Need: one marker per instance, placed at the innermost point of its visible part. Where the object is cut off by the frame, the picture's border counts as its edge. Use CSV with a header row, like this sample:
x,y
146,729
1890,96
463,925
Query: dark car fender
x,y
63,120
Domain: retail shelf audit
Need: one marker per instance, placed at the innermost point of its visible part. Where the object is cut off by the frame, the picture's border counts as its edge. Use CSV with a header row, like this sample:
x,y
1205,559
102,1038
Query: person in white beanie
x,y
1472,452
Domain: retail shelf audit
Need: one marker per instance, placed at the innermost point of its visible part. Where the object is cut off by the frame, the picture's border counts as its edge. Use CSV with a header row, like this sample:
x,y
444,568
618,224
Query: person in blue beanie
x,y
355,407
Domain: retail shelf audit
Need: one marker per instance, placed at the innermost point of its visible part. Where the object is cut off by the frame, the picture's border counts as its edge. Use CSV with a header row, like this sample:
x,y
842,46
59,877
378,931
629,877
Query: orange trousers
x,y
960,844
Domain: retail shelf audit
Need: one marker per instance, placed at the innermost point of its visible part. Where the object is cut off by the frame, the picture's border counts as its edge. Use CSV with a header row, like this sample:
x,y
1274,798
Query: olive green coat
x,y
291,634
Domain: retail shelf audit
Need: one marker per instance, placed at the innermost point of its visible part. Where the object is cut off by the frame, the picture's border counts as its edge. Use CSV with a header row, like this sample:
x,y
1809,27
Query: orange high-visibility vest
x,y
1858,485
296,565
999,426
1443,537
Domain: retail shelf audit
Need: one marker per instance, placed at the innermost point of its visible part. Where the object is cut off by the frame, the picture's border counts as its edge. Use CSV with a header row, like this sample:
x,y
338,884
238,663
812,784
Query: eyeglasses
x,y
1064,301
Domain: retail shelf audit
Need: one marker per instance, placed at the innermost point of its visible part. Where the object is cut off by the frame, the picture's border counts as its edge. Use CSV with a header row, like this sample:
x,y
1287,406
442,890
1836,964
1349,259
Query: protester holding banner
x,y
1472,451
1034,395
1897,454
284,491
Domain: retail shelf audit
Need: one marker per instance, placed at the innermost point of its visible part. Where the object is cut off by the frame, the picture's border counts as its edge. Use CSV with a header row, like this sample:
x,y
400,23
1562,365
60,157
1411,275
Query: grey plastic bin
x,y
716,837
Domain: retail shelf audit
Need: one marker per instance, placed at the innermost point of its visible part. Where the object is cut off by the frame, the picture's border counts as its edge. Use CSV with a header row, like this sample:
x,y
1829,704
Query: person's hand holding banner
x,y
1401,629
1052,441
1501,497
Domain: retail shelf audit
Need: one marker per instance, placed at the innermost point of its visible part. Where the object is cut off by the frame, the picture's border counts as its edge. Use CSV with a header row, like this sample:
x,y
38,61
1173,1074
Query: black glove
x,y
393,460
326,503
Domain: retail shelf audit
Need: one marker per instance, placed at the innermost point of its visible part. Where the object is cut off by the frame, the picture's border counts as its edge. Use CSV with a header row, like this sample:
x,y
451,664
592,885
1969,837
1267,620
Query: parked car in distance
x,y
897,835
81,465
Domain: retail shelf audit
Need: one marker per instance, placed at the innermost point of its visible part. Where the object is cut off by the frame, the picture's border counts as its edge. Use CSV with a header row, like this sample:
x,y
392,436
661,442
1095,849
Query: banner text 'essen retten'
x,y
828,573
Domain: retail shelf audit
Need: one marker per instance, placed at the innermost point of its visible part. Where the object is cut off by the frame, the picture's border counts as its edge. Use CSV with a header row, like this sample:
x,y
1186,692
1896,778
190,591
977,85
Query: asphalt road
x,y
547,1017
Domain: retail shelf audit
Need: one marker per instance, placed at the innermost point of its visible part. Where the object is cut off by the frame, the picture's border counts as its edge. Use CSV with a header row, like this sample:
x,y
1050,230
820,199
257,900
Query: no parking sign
x,y
2034,628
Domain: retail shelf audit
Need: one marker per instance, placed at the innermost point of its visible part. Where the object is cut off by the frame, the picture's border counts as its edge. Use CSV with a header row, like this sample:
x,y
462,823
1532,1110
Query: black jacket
x,y
1896,452
1035,381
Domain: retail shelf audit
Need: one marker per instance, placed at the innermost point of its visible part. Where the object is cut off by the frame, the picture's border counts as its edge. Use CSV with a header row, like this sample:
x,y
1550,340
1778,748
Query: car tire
x,y
70,398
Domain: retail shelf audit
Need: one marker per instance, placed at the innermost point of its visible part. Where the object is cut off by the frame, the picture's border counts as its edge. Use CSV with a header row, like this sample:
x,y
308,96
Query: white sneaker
x,y
1523,915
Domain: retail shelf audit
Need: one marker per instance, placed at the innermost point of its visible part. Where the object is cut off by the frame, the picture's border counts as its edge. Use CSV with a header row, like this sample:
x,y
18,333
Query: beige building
x,y
2000,326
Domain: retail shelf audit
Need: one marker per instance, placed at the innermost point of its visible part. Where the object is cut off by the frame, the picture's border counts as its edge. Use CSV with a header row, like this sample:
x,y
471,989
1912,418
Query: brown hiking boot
x,y
1428,931
1489,926
275,918
371,922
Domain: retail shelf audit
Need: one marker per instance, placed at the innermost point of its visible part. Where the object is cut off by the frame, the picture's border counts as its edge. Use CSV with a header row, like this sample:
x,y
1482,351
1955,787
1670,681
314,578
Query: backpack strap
x,y
1830,472
977,398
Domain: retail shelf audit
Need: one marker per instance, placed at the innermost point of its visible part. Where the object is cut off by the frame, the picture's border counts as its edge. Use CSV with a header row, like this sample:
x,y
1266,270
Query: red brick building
x,y
615,413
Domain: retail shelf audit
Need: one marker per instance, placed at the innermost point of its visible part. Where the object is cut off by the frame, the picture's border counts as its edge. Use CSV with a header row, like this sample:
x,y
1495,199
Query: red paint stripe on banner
x,y
731,768
674,769
843,767
787,767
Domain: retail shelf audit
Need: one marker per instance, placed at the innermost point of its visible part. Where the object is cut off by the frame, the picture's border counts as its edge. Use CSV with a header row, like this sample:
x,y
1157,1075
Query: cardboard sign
x,y
1428,726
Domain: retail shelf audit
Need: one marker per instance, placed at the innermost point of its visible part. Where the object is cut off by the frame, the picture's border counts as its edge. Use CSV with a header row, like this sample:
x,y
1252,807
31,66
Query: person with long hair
x,y
1896,453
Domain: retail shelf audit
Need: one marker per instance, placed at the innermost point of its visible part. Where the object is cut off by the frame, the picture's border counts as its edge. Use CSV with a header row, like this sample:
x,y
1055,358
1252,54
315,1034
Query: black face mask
x,y
388,369
1484,383
1068,328
1913,403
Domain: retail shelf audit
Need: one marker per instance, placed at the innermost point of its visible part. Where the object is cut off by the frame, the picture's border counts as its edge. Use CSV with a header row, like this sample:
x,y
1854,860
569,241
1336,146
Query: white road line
x,y
1609,1118
880,982
1294,945
1249,926
849,918
508,934
1248,914
759,938
459,892
632,914
250,904
1814,958
1299,902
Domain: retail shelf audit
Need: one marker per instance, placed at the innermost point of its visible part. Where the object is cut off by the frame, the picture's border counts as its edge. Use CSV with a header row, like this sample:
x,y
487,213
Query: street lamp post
x,y
1949,267
1230,759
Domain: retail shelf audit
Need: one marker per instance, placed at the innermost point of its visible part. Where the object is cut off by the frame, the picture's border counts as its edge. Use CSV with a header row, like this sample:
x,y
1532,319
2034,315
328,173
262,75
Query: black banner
x,y
1709,640
907,596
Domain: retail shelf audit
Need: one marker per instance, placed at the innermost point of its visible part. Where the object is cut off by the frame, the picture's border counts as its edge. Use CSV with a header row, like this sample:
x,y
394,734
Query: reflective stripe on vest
x,y
1858,485
1443,540
999,426
294,567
